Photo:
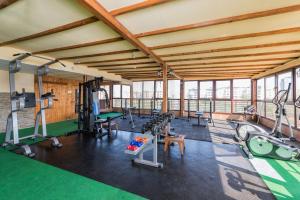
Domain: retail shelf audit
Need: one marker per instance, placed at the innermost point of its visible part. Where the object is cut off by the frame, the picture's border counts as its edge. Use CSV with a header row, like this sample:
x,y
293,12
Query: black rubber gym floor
x,y
206,171
222,132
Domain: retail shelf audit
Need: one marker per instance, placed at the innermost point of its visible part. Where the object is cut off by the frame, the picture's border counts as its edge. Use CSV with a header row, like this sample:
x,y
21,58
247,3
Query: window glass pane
x,y
242,89
261,89
102,94
148,89
125,91
206,89
174,89
174,104
261,108
137,88
204,105
190,104
223,106
222,89
191,89
270,88
159,89
238,106
290,113
270,110
283,82
158,104
116,103
117,91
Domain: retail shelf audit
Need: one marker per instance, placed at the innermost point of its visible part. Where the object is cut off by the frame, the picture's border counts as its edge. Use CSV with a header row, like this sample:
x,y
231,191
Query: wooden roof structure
x,y
201,40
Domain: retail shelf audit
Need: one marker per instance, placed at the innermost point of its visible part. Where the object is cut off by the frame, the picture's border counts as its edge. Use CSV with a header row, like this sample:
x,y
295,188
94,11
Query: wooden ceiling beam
x,y
102,14
233,48
124,64
223,66
221,71
133,69
113,60
6,3
236,56
209,78
225,20
137,6
58,29
211,69
129,67
232,37
88,44
100,54
285,66
235,61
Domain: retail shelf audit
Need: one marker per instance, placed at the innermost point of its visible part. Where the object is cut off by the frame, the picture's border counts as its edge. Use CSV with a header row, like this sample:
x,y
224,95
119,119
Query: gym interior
x,y
149,99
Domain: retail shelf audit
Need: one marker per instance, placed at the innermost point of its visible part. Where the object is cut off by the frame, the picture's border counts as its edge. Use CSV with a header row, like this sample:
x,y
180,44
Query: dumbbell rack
x,y
151,144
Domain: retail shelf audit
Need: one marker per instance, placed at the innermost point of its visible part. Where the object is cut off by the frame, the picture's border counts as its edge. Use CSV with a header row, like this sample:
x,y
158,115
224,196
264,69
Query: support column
x,y
181,98
165,89
254,92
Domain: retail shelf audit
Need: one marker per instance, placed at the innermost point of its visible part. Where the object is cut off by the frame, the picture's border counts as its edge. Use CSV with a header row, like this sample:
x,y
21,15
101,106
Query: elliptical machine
x,y
273,145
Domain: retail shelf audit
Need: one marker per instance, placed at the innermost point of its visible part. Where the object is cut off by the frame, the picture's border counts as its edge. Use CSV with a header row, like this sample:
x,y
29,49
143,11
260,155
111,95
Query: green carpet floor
x,y
53,129
282,177
24,178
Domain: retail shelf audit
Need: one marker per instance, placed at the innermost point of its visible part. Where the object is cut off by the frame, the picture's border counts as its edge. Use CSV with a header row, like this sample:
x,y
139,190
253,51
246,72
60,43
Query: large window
x,y
223,89
137,89
268,87
191,95
241,94
270,94
206,89
222,93
206,93
102,94
260,107
159,89
117,96
284,80
148,94
174,94
148,89
125,95
191,90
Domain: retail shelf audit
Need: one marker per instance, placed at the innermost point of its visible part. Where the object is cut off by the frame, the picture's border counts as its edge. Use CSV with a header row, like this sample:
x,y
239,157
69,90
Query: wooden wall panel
x,y
64,90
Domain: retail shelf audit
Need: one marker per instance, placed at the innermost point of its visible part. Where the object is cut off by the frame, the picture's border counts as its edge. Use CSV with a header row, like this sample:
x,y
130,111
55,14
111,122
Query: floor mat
x,y
24,178
282,177
53,129
206,171
221,132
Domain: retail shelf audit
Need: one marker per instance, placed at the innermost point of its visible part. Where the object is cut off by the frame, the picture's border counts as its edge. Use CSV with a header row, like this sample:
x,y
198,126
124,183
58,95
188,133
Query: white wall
x,y
23,80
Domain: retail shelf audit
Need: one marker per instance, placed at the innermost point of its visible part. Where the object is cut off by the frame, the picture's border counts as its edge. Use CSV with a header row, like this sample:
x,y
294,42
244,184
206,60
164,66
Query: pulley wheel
x,y
259,145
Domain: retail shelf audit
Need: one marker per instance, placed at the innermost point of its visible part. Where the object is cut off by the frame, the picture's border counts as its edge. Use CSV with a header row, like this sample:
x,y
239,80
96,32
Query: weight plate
x,y
243,131
284,153
259,145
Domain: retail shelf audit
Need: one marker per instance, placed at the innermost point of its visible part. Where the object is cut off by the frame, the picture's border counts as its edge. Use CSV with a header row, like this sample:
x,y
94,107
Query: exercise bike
x,y
261,143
